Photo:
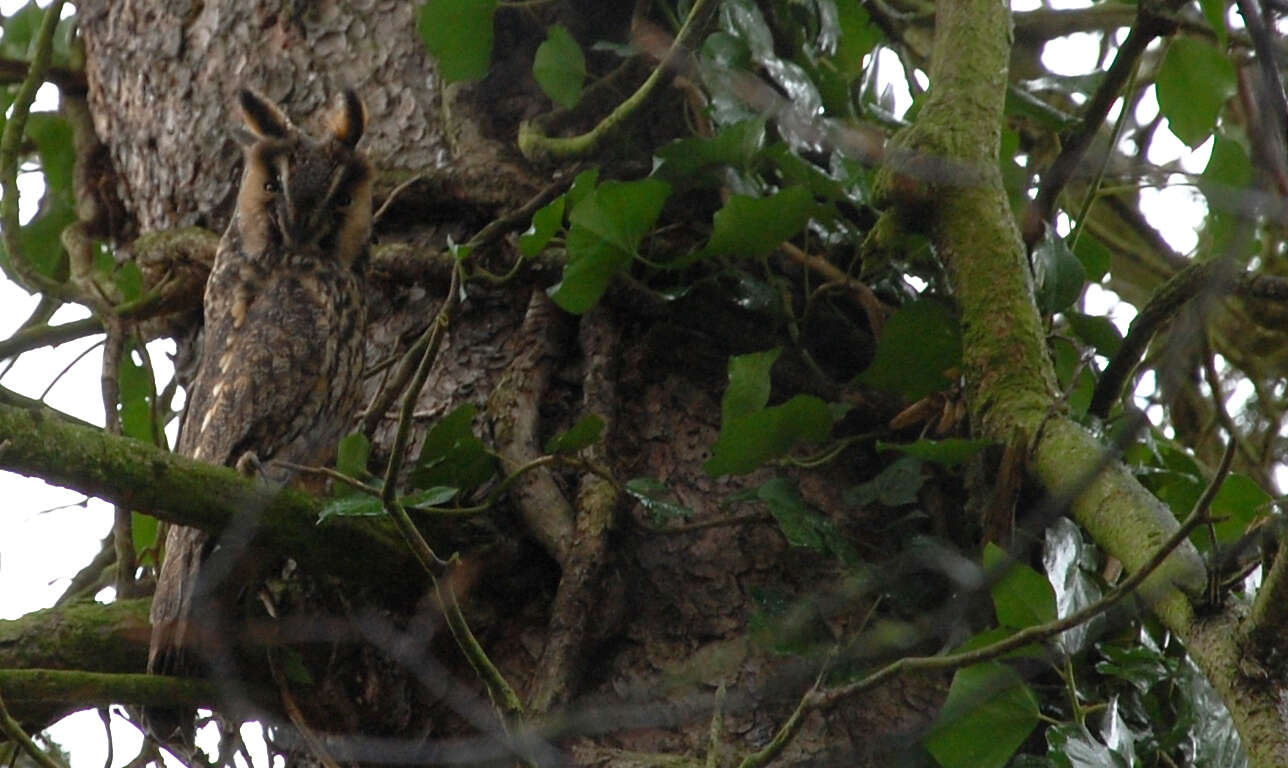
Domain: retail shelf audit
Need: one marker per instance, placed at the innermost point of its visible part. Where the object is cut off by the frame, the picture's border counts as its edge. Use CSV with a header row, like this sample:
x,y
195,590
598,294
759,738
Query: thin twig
x,y
789,729
48,336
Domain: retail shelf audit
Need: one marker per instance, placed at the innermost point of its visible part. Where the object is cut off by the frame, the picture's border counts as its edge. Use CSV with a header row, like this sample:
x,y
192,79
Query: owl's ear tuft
x,y
350,119
264,118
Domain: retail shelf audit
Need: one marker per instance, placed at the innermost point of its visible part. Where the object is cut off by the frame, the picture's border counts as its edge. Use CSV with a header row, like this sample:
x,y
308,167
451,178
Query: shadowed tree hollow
x,y
735,382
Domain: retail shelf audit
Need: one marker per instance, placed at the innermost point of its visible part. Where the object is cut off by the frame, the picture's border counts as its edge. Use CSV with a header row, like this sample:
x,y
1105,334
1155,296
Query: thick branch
x,y
513,409
177,489
1010,381
85,636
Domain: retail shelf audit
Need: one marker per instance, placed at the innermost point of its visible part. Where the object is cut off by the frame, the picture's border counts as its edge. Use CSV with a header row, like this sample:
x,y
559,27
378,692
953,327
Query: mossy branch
x,y
38,443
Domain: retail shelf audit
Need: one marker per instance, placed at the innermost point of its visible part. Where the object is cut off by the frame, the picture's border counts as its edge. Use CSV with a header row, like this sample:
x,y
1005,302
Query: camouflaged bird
x,y
282,354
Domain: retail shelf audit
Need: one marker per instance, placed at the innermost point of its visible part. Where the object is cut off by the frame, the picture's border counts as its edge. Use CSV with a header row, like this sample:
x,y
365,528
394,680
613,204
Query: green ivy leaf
x,y
1022,596
560,67
52,135
1096,330
734,146
798,522
920,342
429,497
452,456
1225,183
546,223
1093,254
749,384
136,393
896,485
583,185
294,668
1193,83
1067,360
796,170
585,432
1139,665
748,441
20,30
989,713
753,228
858,37
1214,12
651,495
352,454
606,230
1058,273
143,534
948,452
458,33
353,505
129,281
743,19
1074,743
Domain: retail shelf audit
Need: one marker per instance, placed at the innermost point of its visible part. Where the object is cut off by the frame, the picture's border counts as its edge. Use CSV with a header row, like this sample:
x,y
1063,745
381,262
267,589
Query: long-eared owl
x,y
282,352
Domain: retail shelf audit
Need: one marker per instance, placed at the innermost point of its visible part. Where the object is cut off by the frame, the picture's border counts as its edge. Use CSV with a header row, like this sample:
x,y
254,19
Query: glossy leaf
x,y
1058,274
351,505
560,67
989,713
1226,183
1022,597
652,495
1069,563
859,35
429,497
458,33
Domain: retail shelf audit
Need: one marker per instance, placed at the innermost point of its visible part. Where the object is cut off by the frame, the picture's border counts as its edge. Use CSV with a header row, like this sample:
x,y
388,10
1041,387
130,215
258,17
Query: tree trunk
x,y
580,603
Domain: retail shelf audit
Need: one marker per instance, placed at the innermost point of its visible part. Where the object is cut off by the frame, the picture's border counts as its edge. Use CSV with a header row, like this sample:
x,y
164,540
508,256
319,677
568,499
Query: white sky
x,y
44,541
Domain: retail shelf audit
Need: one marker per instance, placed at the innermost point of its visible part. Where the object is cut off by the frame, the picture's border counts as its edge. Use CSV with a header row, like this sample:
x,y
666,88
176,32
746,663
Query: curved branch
x,y
536,145
1149,26
11,144
1205,276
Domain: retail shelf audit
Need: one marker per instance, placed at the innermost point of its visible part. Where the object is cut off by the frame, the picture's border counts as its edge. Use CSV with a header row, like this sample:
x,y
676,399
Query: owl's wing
x,y
268,374
264,386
